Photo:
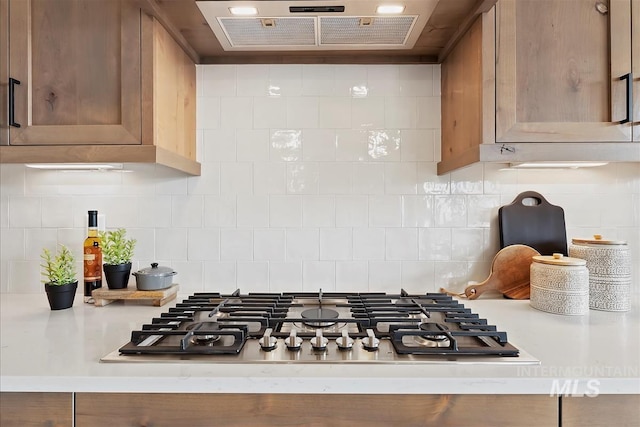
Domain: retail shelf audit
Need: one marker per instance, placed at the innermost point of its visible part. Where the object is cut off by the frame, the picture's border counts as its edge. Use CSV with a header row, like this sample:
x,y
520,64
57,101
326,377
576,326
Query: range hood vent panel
x,y
277,28
392,30
241,32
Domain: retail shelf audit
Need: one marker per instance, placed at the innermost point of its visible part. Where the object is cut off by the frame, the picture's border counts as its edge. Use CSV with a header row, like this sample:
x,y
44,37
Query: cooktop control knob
x,y
370,343
293,342
345,342
319,342
267,342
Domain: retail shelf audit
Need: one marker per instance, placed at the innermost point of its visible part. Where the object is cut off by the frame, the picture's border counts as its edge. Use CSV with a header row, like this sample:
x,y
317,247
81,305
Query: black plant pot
x,y
117,275
61,297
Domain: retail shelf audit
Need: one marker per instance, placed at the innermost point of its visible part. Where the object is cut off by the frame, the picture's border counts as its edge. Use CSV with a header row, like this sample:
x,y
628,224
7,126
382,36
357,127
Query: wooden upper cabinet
x,y
99,81
558,69
79,68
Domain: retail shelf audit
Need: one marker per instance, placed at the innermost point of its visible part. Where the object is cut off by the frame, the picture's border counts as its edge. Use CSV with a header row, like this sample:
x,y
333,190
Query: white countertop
x,y
44,350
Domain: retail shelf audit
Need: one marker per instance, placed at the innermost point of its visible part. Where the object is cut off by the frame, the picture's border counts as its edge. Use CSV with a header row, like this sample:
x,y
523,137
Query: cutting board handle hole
x,y
531,201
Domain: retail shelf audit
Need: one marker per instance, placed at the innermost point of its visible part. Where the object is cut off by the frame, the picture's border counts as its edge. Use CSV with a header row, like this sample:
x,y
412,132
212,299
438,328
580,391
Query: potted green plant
x,y
60,282
117,252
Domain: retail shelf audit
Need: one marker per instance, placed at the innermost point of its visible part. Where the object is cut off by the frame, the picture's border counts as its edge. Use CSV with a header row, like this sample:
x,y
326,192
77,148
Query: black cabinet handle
x,y
629,78
12,102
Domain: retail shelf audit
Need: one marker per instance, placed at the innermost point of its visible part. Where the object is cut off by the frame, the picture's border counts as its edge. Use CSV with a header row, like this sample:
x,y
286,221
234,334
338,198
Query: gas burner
x,y
202,339
438,340
319,313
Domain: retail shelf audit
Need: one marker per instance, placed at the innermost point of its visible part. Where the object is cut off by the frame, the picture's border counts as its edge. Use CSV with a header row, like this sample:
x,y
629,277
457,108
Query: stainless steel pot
x,y
154,278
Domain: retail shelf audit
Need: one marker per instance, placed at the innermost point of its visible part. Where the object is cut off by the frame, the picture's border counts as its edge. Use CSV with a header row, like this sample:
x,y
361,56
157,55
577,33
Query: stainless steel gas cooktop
x,y
320,328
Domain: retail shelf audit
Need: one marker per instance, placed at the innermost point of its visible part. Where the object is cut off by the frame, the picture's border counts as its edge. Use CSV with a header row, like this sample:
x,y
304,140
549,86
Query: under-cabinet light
x,y
389,9
243,10
555,165
75,166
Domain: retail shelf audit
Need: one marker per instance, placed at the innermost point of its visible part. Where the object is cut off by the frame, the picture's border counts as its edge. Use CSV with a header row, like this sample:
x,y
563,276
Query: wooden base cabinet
x,y
36,409
604,410
543,80
94,81
160,410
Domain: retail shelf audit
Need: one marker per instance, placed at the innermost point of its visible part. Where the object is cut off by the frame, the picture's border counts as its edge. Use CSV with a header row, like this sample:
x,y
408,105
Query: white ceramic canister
x,y
609,264
559,284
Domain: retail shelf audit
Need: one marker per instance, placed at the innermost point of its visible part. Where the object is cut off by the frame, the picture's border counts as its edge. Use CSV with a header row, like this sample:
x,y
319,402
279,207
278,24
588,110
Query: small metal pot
x,y
154,278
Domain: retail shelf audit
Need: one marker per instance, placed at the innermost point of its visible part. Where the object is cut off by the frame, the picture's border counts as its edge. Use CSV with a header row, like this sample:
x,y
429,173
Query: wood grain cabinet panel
x,y
36,409
229,410
603,410
100,81
540,80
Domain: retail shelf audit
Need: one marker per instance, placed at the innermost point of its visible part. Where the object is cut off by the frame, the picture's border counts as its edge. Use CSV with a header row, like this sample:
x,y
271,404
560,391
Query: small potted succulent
x,y
60,282
117,252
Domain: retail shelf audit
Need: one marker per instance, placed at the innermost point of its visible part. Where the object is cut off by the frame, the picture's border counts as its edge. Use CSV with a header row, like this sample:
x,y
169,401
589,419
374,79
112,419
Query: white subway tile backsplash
x,y
367,112
25,211
253,275
269,244
369,244
368,178
334,112
318,275
218,81
352,275
351,211
318,145
334,178
302,178
253,211
318,211
303,244
219,145
302,112
236,244
285,211
203,244
286,145
450,211
220,276
417,211
236,113
401,244
318,80
252,145
385,211
269,178
285,80
313,176
171,244
236,178
285,276
269,112
252,80
336,244
219,211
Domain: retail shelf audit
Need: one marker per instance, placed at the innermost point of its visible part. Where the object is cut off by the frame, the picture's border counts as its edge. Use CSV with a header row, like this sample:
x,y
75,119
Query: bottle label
x,y
89,257
92,268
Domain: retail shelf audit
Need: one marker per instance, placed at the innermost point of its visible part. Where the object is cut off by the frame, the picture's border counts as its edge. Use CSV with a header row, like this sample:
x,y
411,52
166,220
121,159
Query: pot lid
x,y
558,259
598,240
156,271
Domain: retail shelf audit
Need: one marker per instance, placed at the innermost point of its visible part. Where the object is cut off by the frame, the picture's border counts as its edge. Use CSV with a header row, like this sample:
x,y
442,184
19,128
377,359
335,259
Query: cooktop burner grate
x,y
320,327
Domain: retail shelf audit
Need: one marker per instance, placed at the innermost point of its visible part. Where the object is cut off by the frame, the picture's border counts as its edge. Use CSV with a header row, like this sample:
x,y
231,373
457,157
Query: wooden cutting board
x,y
104,296
540,225
510,271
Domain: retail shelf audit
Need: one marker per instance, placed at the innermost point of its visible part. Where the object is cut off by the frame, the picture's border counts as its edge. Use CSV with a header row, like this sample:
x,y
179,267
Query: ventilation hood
x,y
316,24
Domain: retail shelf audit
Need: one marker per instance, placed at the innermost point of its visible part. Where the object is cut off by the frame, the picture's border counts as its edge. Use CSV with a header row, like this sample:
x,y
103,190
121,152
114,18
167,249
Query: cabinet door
x,y
635,40
558,69
78,64
36,409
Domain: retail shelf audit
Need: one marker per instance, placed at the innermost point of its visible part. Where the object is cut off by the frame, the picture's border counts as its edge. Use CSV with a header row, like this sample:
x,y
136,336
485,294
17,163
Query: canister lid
x,y
155,271
558,259
598,240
